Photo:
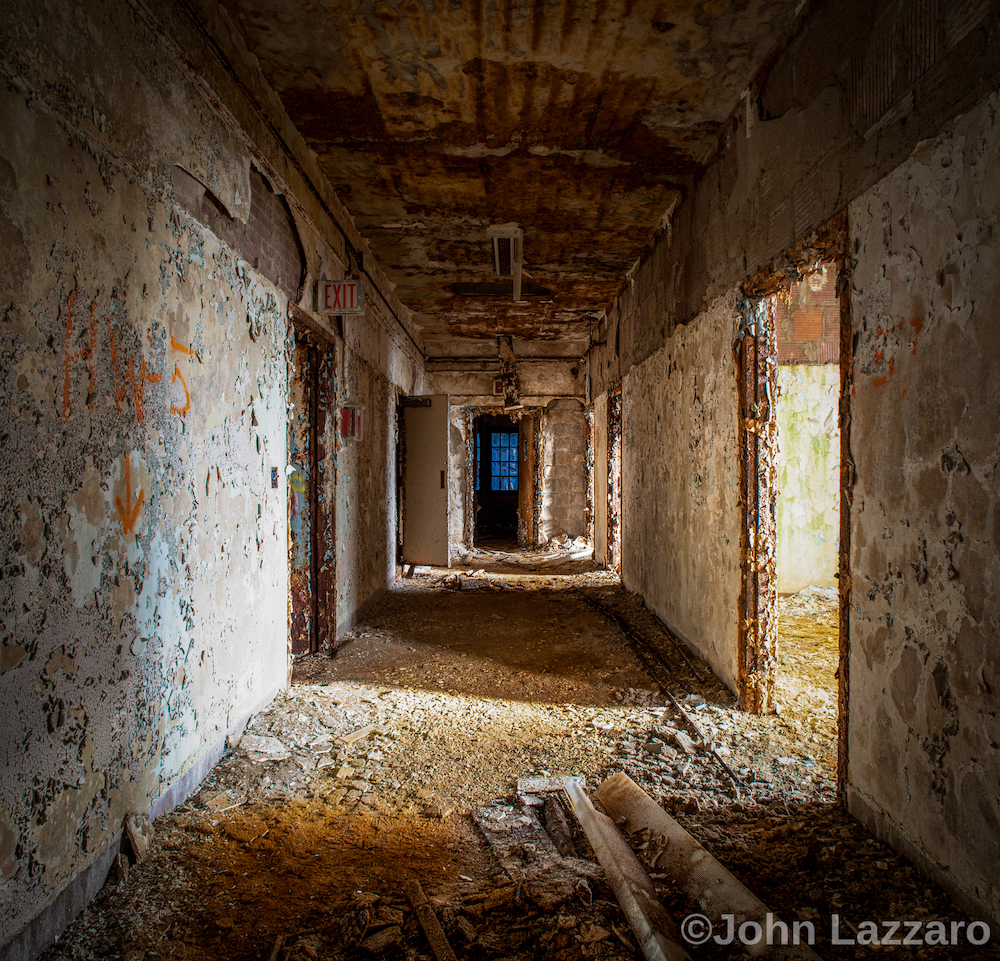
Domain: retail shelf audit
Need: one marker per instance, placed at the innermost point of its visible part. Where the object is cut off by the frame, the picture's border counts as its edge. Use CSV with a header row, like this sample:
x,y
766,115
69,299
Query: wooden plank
x,y
429,922
694,870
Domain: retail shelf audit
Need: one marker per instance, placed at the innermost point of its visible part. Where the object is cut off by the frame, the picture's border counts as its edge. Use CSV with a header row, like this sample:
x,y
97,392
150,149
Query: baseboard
x,y
44,929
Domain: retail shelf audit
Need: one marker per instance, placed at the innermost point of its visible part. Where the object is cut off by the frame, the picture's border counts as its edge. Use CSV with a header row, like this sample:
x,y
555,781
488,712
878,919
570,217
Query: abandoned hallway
x,y
432,434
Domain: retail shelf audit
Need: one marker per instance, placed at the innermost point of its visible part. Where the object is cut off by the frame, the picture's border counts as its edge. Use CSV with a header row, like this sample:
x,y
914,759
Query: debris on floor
x,y
443,719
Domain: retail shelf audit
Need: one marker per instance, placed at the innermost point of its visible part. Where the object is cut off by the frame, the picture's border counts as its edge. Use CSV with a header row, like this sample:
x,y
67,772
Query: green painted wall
x,y
808,486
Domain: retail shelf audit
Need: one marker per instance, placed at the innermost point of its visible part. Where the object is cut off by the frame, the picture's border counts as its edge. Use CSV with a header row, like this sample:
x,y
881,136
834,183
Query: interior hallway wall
x,y
925,520
460,472
680,485
564,469
144,596
143,335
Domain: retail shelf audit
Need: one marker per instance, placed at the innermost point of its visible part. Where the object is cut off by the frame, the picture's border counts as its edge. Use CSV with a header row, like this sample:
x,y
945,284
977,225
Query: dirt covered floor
x,y
389,758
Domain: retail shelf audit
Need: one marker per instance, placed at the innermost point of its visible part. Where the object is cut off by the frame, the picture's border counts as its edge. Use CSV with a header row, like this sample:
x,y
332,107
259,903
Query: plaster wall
x,y
564,470
599,438
376,370
458,477
143,378
143,597
924,769
680,485
808,479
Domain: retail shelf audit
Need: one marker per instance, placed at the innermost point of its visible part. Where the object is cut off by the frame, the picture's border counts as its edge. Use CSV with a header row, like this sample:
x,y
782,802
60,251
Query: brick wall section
x,y
809,322
269,241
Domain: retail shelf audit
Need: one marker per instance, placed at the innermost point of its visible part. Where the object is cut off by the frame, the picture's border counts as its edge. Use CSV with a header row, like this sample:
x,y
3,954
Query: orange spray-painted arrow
x,y
130,515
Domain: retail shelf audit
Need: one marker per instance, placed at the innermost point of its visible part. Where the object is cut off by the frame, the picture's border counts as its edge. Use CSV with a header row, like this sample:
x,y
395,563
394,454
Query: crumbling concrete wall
x,y
376,371
808,479
564,470
924,768
680,485
143,336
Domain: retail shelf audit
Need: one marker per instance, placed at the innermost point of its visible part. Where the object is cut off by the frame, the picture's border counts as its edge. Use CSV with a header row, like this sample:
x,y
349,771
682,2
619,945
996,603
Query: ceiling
x,y
583,122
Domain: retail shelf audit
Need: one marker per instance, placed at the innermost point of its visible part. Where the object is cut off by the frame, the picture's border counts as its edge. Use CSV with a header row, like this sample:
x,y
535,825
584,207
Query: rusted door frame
x,y
846,501
319,384
614,518
756,365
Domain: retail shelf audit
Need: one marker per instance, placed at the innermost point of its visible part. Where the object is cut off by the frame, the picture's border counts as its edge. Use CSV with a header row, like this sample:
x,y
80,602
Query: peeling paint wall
x,y
376,369
924,764
143,376
680,485
459,476
808,479
564,471
144,398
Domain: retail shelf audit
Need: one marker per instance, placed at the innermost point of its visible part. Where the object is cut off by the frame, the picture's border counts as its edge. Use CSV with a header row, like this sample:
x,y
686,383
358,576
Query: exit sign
x,y
341,296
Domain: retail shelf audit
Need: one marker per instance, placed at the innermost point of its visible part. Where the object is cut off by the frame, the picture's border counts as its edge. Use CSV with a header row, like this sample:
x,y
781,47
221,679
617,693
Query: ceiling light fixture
x,y
507,249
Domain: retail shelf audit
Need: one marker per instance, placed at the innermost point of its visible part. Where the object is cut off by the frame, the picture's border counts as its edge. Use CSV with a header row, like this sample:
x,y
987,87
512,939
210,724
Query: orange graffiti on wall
x,y
84,353
129,379
129,511
176,345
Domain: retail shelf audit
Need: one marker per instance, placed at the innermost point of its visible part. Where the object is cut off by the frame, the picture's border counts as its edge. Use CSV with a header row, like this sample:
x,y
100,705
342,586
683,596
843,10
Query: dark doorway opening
x,y
497,459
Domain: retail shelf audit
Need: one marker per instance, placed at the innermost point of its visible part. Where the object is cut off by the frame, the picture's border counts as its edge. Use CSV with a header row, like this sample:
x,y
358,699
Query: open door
x,y
425,480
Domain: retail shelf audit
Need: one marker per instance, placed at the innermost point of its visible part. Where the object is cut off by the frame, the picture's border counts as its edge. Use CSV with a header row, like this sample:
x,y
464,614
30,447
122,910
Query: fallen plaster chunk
x,y
541,785
359,734
693,870
138,830
649,920
263,748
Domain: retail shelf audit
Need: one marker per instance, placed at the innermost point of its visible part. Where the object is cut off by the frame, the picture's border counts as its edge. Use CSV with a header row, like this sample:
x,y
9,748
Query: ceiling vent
x,y
507,243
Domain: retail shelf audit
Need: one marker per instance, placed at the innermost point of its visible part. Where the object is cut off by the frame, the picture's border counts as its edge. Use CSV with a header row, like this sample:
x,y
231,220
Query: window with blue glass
x,y
503,462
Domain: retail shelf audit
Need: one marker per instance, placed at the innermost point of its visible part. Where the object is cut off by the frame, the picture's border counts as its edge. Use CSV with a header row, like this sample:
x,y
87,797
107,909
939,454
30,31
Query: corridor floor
x,y
366,774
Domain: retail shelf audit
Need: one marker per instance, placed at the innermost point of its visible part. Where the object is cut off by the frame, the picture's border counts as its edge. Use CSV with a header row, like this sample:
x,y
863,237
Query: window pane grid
x,y
503,461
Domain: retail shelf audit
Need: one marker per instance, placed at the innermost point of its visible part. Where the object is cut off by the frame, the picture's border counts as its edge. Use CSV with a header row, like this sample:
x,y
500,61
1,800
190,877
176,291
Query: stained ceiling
x,y
583,122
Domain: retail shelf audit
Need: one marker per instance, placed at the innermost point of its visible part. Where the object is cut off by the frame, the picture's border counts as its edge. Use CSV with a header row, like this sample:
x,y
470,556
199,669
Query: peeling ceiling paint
x,y
584,122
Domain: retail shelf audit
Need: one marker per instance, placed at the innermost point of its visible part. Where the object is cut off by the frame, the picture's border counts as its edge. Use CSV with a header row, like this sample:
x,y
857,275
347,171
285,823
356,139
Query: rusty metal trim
x,y
309,323
614,467
755,352
846,501
589,512
468,427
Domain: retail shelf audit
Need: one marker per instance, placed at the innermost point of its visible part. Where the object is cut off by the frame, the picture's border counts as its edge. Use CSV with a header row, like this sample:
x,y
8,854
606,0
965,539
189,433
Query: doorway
x,y
794,412
311,496
615,478
497,457
504,462
807,515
